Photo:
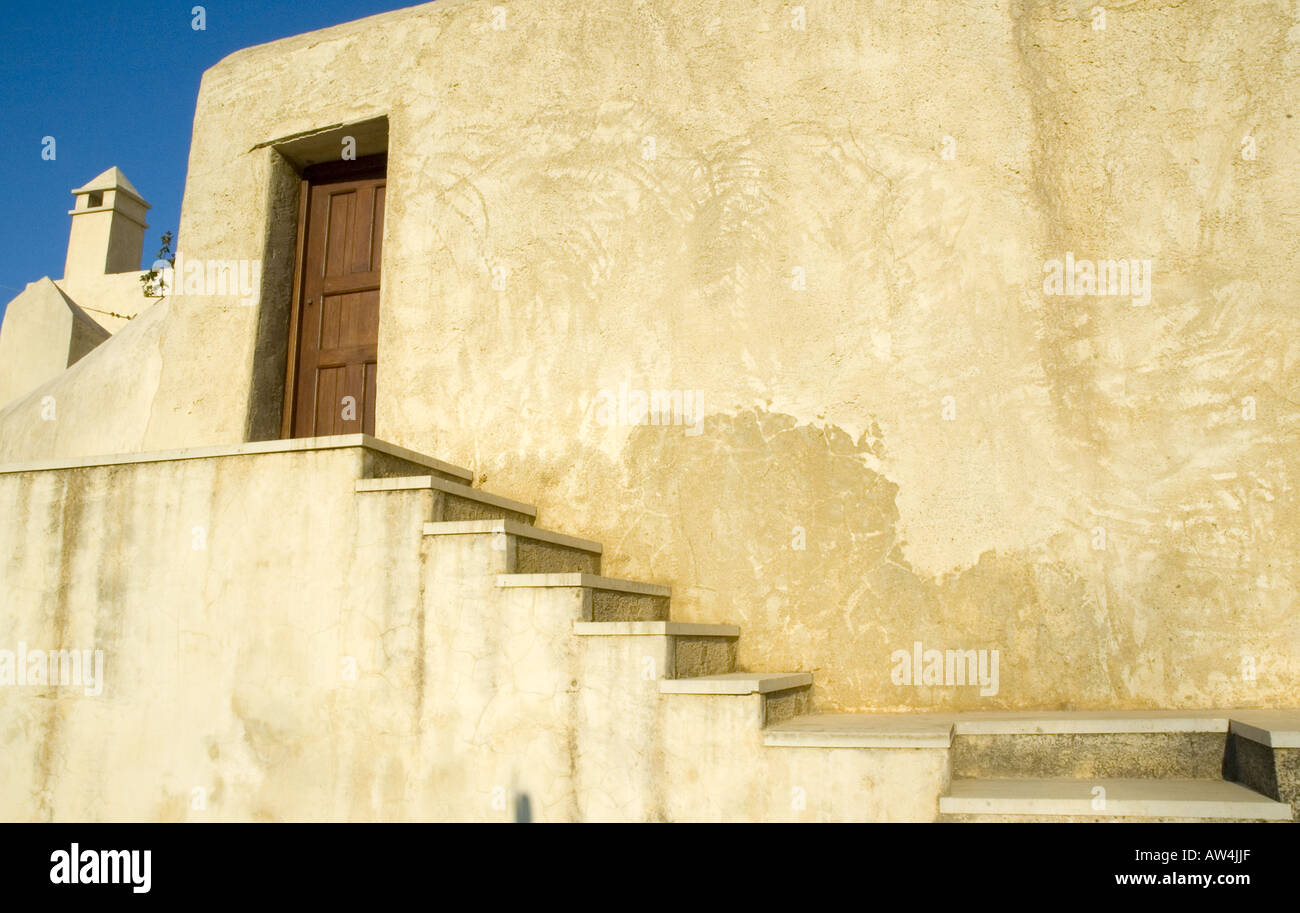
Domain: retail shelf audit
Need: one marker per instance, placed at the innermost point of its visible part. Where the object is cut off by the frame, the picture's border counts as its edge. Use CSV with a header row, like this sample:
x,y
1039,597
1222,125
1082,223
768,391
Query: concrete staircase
x,y
704,656
1055,766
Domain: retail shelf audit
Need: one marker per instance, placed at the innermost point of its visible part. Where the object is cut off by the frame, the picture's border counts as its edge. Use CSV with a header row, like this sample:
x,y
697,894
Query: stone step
x,y
530,550
737,683
937,730
385,460
1272,728
1121,755
861,730
1090,744
454,501
653,629
784,695
605,598
1048,722
697,649
1119,799
1264,753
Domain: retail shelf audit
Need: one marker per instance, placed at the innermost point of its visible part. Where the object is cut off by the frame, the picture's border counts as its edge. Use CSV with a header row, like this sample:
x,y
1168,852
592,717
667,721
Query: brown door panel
x,y
336,320
353,282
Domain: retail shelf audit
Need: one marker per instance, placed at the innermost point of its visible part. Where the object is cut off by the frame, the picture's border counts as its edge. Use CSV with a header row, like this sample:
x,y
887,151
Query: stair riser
x,y
612,605
1287,761
1275,772
696,656
779,706
451,507
534,557
1179,755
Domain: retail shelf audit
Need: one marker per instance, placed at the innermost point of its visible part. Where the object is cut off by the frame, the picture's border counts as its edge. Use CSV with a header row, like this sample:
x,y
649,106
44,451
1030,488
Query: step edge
x,y
777,738
510,528
420,459
1269,737
588,581
1247,804
1116,808
411,483
653,628
1116,726
246,448
737,683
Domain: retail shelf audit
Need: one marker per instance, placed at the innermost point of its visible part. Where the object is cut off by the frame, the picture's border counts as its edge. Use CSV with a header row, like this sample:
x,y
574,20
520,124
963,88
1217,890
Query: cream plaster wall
x,y
113,299
1169,429
43,333
54,323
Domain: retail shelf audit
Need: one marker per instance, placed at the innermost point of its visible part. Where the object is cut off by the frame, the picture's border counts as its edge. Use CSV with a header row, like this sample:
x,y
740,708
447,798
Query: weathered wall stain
x,y
802,524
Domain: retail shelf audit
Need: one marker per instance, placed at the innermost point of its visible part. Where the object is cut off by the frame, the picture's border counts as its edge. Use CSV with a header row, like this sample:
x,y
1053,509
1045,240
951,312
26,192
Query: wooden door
x,y
334,330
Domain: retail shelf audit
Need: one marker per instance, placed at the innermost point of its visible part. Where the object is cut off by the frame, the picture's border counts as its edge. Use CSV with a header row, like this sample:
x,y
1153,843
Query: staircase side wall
x,y
259,628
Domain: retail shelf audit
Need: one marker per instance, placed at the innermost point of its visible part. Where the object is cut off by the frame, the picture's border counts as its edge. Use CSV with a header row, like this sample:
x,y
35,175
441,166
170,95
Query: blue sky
x,y
114,83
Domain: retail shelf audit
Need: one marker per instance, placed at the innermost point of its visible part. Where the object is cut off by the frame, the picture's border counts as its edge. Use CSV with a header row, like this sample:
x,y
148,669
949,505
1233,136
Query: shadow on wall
x,y
793,532
523,809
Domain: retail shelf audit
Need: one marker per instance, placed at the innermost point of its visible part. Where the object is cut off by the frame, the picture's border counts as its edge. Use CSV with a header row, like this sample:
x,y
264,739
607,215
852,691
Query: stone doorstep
x,y
412,483
510,528
1123,799
590,581
736,683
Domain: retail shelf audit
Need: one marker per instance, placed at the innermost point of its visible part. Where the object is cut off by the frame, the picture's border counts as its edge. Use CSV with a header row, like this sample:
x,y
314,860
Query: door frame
x,y
368,166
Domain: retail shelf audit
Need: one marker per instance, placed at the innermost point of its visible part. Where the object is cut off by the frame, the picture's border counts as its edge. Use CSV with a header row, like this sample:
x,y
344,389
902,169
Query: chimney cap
x,y
112,179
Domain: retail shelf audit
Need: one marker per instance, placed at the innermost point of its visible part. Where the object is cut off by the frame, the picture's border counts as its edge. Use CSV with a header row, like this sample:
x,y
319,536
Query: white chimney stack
x,y
107,228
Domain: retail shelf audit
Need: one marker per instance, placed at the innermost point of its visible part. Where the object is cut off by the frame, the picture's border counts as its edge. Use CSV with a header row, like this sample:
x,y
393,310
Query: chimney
x,y
107,228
